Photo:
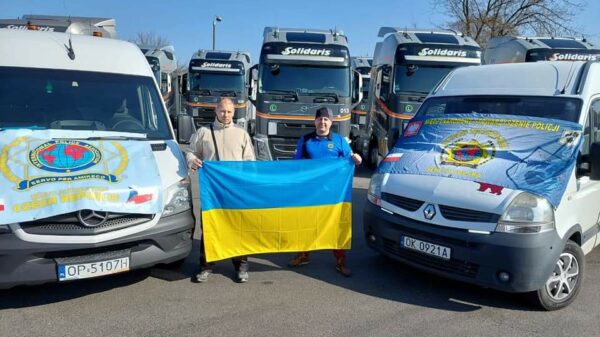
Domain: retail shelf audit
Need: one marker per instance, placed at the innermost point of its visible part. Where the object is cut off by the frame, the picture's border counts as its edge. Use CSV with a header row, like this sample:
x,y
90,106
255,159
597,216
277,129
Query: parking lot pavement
x,y
382,298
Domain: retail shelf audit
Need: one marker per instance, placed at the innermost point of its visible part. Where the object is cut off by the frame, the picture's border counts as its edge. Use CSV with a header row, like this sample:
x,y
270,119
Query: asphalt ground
x,y
382,298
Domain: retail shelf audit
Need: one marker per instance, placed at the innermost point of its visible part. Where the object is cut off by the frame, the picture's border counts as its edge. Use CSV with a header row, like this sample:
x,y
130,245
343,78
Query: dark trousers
x,y
240,263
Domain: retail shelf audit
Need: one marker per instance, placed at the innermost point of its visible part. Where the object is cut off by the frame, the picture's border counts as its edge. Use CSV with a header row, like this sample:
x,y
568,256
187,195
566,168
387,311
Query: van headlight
x,y
374,193
178,197
527,213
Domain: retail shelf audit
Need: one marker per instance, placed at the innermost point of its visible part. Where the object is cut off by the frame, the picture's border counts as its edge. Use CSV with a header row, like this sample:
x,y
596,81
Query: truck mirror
x,y
183,86
357,85
185,128
252,83
595,161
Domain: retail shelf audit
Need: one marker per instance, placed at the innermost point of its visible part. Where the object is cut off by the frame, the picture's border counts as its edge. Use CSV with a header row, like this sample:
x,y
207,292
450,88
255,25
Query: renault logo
x,y
91,219
429,212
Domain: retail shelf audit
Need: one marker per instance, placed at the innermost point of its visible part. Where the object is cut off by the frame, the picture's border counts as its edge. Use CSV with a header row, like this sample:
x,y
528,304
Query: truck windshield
x,y
566,109
305,80
214,81
418,79
80,100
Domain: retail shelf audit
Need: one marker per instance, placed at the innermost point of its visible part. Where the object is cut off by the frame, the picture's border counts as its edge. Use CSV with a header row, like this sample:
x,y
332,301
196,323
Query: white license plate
x,y
362,120
425,247
93,269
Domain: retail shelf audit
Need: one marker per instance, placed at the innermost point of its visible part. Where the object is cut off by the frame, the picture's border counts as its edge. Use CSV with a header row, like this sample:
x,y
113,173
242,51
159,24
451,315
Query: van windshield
x,y
561,108
80,100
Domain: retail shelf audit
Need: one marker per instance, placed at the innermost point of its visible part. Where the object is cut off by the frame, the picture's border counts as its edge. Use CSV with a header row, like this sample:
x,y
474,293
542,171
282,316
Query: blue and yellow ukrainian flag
x,y
276,206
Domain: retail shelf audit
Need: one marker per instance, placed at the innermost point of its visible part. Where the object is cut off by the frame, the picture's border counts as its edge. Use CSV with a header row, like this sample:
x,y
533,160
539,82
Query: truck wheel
x,y
564,283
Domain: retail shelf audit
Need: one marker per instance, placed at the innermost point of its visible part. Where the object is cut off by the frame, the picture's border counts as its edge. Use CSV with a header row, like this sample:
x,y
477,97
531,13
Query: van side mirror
x,y
595,161
357,91
252,80
185,128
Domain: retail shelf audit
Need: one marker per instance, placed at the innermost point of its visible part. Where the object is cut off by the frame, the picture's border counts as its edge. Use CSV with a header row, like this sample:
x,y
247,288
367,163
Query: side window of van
x,y
595,121
591,133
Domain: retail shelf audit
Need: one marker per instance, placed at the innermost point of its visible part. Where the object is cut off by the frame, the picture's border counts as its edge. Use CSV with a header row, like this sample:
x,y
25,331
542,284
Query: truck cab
x,y
511,49
215,74
497,183
407,64
358,128
300,71
163,63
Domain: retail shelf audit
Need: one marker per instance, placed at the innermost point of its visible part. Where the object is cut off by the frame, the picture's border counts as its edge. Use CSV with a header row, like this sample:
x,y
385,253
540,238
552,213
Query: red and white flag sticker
x,y
393,157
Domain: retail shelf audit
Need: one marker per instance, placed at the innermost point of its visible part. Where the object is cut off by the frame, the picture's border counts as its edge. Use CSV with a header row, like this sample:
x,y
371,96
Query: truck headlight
x,y
262,149
374,193
178,197
527,213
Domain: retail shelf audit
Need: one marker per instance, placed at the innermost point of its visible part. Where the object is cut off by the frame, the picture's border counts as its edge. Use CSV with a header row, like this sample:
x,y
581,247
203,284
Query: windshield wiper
x,y
324,97
287,94
226,93
202,92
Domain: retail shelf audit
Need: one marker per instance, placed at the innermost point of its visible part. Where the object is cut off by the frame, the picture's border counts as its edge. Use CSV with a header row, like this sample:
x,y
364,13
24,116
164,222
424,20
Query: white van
x,y
92,181
496,180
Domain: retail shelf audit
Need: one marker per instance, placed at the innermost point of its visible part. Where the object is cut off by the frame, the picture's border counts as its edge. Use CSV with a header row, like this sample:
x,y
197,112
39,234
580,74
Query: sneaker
x,y
242,276
203,275
300,260
340,266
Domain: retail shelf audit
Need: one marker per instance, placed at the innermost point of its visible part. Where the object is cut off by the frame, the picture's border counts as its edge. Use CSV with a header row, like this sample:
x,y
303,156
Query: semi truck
x,y
511,49
358,128
214,74
163,63
407,64
299,71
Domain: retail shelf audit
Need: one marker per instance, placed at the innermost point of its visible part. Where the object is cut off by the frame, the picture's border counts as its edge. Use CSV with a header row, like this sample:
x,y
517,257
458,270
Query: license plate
x,y
425,247
92,269
362,120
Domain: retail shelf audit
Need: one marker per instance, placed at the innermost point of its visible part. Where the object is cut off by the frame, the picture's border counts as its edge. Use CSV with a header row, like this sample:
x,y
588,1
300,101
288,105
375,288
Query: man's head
x,y
323,120
224,110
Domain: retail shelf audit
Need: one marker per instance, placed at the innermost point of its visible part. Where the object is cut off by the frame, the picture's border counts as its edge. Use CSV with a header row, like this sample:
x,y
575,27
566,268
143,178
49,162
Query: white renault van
x,y
92,181
496,181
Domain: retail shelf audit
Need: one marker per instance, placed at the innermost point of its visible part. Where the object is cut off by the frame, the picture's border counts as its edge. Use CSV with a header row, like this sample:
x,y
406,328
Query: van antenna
x,y
70,50
571,73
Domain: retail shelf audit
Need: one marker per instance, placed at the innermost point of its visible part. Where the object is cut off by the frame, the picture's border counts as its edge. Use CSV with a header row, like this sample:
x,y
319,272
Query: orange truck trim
x,y
299,118
390,113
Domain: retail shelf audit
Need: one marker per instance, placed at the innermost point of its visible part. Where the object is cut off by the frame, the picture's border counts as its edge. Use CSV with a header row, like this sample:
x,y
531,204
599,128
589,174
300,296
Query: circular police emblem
x,y
471,148
64,156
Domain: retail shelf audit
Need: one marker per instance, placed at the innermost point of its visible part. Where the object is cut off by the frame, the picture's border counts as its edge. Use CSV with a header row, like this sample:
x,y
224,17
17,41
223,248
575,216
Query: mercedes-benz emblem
x,y
429,212
91,219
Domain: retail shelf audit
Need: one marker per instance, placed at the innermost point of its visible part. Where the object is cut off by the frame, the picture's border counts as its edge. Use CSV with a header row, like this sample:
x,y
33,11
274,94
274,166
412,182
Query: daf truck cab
x,y
215,74
358,128
496,180
163,63
511,49
299,71
407,64
99,27
93,182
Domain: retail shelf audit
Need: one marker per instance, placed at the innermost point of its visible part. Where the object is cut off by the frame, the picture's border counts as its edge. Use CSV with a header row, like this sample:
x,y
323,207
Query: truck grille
x,y
69,225
463,214
453,266
402,202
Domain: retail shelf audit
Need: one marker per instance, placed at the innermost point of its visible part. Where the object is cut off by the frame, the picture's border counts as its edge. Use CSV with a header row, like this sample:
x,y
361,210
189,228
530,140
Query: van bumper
x,y
29,263
475,258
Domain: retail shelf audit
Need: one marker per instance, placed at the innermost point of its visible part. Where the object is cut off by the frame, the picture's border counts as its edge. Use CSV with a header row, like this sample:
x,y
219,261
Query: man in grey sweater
x,y
222,140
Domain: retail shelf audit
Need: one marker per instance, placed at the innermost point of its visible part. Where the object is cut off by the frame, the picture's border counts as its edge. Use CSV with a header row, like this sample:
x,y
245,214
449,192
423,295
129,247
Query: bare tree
x,y
484,19
150,39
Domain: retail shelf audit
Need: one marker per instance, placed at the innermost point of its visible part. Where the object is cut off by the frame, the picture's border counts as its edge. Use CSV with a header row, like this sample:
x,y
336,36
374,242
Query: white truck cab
x,y
496,180
92,181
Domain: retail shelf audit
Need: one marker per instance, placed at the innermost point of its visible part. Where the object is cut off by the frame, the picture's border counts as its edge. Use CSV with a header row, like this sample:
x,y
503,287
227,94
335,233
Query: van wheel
x,y
564,283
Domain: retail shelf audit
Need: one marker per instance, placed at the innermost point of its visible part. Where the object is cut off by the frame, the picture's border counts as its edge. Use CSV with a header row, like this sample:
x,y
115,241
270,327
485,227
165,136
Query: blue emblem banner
x,y
536,155
49,172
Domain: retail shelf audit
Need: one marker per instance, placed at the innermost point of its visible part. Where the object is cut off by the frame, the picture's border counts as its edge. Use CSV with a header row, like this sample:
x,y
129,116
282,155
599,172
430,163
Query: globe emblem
x,y
65,157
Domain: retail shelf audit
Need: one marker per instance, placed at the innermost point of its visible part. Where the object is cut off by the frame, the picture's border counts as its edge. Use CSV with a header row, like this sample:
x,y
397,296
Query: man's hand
x,y
196,164
356,158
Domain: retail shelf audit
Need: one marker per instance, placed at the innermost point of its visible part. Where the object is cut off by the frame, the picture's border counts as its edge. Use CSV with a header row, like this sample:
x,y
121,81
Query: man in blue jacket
x,y
324,144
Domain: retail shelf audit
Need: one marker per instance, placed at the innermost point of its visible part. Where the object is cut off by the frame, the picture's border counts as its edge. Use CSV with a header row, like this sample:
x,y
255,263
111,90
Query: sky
x,y
187,24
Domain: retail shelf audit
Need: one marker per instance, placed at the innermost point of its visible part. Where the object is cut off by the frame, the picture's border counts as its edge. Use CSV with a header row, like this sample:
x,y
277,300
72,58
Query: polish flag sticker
x,y
1,205
392,157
